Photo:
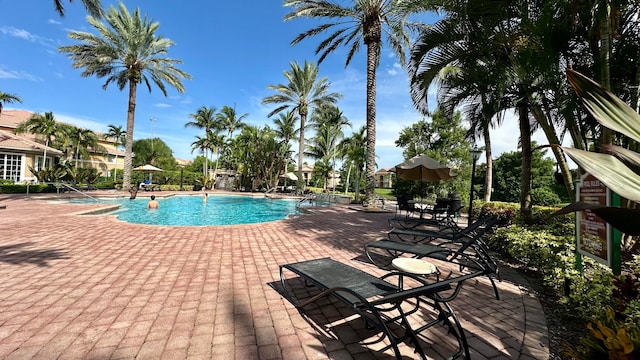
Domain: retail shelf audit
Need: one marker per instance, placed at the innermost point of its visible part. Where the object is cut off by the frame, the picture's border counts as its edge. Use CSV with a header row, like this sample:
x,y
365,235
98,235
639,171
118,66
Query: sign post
x,y
595,237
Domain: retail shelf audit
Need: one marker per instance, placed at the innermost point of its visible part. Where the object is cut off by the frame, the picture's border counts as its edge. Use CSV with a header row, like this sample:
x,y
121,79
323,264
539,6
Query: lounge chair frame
x,y
464,248
373,298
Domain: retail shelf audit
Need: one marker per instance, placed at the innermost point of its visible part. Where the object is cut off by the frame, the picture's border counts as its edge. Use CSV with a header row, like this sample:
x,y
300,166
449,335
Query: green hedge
x,y
22,189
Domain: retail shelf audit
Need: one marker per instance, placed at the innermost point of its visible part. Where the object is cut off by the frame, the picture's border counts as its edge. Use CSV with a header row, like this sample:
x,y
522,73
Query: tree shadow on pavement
x,y
19,254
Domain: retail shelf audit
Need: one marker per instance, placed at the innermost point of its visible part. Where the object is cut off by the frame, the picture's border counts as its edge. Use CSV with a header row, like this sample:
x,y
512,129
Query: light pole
x,y
153,123
475,155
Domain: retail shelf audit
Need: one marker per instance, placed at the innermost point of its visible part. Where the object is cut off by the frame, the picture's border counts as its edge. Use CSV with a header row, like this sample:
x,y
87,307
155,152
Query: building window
x,y
39,163
10,167
111,158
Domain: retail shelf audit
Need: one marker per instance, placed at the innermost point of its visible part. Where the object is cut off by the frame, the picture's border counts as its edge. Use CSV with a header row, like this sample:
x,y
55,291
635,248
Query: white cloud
x,y
18,33
13,74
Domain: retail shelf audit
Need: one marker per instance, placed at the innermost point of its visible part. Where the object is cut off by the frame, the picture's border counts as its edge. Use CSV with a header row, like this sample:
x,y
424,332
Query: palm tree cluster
x,y
215,124
76,143
492,57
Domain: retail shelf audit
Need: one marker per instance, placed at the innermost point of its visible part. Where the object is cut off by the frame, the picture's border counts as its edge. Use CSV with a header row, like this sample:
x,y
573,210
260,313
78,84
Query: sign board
x,y
593,233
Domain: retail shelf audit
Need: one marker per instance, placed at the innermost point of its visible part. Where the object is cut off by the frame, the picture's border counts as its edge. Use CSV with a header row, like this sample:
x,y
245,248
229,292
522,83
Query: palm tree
x,y
8,99
303,93
286,131
364,22
93,7
83,140
330,121
228,119
204,118
43,125
128,52
354,150
119,137
203,144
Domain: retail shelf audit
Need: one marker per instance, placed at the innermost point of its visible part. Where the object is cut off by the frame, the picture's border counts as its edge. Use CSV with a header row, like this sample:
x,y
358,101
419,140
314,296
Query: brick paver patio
x,y
91,287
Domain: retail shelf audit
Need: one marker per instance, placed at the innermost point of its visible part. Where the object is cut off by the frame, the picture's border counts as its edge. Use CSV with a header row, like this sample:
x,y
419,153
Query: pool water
x,y
193,211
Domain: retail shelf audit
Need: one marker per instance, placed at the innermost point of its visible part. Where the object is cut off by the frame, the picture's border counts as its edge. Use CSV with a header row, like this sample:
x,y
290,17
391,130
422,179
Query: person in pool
x,y
153,203
205,197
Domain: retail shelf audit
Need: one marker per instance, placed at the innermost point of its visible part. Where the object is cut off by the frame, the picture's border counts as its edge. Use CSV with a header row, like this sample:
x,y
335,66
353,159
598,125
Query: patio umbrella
x,y
147,168
290,176
423,168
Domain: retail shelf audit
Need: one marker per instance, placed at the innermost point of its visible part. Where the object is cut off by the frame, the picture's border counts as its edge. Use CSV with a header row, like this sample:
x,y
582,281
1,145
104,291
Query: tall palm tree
x,y
354,150
203,144
303,93
362,23
330,120
93,7
8,99
119,137
83,140
285,130
128,52
229,120
204,118
43,125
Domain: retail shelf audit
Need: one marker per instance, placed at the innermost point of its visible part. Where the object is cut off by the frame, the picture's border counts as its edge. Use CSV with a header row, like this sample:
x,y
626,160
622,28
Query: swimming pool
x,y
192,211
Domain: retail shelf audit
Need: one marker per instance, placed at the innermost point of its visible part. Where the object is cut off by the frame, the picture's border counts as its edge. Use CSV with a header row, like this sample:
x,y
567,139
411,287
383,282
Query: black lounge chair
x,y
464,248
449,233
376,298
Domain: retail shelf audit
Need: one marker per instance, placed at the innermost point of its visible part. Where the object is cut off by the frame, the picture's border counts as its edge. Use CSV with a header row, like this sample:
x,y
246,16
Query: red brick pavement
x,y
92,287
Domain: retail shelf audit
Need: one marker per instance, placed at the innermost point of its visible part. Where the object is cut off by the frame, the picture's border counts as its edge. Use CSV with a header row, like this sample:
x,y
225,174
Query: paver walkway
x,y
92,287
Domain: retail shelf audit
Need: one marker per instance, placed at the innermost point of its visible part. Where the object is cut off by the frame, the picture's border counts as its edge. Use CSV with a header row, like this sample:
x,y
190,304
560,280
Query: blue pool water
x,y
192,211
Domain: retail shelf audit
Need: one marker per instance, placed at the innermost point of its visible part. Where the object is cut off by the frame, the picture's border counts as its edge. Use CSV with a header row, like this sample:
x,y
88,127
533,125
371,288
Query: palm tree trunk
x,y
356,186
128,150
77,154
373,54
605,54
552,138
303,119
346,186
44,161
525,143
488,178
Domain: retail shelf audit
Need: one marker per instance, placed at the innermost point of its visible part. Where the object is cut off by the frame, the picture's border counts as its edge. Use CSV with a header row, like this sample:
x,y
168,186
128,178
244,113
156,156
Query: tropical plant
x,y
302,94
354,150
127,51
286,131
204,118
155,152
82,140
229,120
43,125
364,22
617,169
119,137
328,122
93,7
8,99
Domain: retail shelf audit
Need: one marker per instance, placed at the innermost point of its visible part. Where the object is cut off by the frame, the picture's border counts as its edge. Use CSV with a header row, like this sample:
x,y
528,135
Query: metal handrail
x,y
71,188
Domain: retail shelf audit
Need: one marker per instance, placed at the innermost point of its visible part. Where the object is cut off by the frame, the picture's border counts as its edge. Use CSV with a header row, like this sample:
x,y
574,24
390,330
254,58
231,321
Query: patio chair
x,y
448,233
403,205
465,249
448,221
379,301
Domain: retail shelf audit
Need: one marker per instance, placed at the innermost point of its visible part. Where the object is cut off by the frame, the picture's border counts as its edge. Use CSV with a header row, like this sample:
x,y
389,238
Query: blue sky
x,y
233,50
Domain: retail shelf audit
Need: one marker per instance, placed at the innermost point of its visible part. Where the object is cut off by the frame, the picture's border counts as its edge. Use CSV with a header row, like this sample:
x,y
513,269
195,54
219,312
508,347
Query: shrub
x,y
544,197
